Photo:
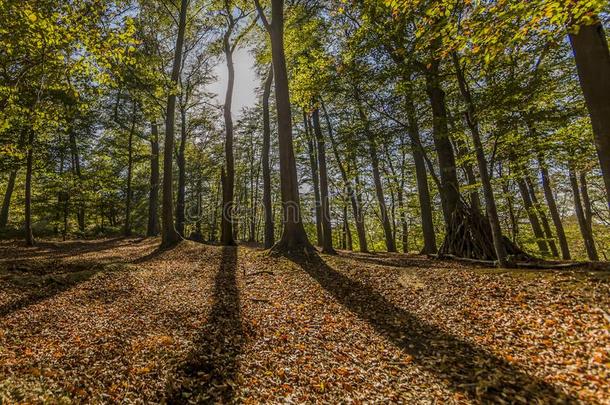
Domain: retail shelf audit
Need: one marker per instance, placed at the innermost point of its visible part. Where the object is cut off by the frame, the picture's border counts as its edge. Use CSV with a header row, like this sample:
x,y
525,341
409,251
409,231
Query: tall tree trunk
x,y
585,231
29,236
327,241
450,191
385,219
153,198
254,187
181,163
462,151
404,226
315,179
228,184
586,201
169,234
215,211
198,234
346,230
399,184
543,219
550,201
236,219
393,212
514,226
76,169
593,64
62,197
356,208
421,176
462,154
6,203
127,227
533,218
294,237
269,239
66,209
490,200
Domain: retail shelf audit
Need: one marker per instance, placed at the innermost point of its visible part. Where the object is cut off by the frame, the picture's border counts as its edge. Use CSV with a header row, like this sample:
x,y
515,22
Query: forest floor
x,y
115,320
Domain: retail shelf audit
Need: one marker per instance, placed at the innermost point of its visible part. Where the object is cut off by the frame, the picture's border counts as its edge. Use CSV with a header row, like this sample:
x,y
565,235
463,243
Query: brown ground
x,y
116,321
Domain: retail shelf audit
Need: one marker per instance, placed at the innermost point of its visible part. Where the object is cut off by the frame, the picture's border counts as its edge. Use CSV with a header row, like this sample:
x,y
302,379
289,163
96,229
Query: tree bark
x,y
450,191
462,151
215,212
315,179
228,184
127,227
356,207
327,233
473,194
543,219
421,176
294,238
153,198
404,226
550,201
585,231
181,163
533,218
6,203
269,238
80,213
586,201
373,153
514,226
593,64
198,235
254,187
29,236
399,184
169,235
348,233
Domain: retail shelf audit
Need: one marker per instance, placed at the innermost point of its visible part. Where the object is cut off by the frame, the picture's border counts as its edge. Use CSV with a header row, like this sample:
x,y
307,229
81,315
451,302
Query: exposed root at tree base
x,y
287,249
469,236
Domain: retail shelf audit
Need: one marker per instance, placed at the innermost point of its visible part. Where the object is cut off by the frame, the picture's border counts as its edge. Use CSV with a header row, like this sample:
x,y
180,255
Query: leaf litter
x,y
118,321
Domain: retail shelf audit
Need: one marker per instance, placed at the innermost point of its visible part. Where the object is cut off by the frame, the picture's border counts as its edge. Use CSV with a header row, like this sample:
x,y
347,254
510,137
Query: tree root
x,y
290,250
469,236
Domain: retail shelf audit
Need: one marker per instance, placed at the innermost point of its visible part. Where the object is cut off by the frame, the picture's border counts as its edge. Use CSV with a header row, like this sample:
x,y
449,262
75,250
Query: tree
x,y
233,15
315,178
349,190
293,237
550,200
593,63
490,201
327,241
169,234
269,237
153,201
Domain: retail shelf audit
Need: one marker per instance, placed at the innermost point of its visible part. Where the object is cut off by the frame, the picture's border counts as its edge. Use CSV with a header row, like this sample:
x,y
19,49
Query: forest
x,y
304,201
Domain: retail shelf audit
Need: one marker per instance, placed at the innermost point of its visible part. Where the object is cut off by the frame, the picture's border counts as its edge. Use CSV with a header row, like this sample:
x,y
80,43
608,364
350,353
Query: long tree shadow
x,y
208,374
45,281
59,250
467,368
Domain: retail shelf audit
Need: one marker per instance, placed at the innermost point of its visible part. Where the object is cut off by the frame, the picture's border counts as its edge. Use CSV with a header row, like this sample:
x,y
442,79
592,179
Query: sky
x,y
246,82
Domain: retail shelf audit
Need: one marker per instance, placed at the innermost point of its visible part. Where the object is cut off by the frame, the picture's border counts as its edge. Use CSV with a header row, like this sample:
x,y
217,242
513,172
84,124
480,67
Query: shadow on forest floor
x,y
465,367
209,372
59,250
45,280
